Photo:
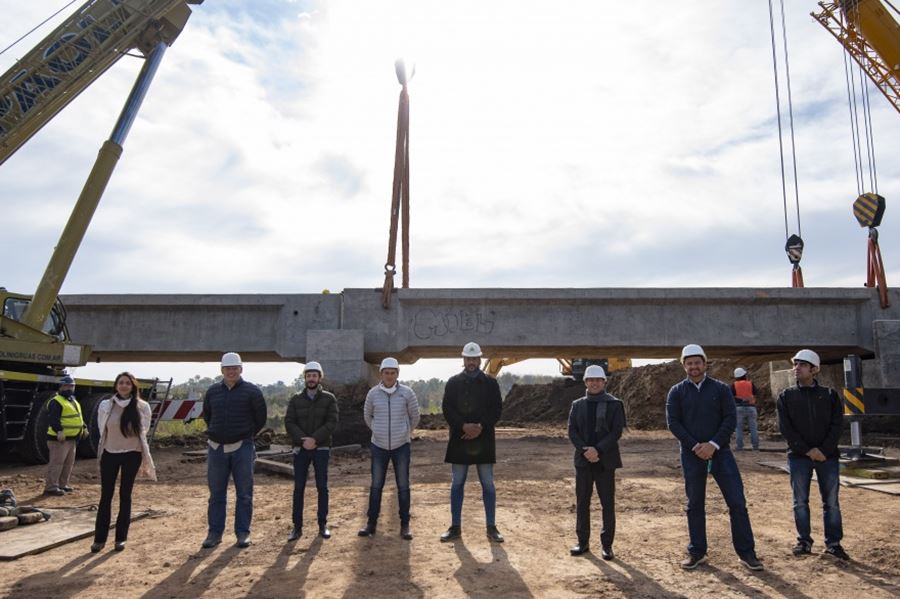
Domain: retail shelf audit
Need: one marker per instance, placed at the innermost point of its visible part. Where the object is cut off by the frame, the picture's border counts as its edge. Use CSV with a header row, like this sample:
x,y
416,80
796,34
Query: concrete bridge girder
x,y
350,329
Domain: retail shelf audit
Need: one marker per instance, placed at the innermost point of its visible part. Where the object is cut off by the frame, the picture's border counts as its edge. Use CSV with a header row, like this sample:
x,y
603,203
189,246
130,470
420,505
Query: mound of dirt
x,y
642,389
351,426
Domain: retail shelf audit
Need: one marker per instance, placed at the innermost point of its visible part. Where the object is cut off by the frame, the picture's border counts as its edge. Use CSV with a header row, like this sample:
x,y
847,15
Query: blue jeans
x,y
238,465
488,492
380,458
319,459
746,414
828,475
725,471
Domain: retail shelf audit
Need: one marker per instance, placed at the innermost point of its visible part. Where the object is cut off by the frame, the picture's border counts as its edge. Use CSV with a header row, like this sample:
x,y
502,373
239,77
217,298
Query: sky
x,y
568,144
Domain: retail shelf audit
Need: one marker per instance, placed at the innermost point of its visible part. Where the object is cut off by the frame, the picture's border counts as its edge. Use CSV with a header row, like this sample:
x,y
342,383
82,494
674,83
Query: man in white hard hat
x,y
472,407
391,411
745,393
595,426
700,413
810,417
310,420
234,411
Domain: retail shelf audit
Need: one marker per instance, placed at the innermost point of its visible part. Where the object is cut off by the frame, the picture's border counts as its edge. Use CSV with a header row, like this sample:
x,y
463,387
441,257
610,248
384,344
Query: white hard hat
x,y
692,349
231,359
739,372
389,363
471,350
313,367
807,355
594,372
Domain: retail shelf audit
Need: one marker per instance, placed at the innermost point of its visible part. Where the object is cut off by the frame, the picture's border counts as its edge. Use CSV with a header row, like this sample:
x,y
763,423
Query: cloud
x,y
542,137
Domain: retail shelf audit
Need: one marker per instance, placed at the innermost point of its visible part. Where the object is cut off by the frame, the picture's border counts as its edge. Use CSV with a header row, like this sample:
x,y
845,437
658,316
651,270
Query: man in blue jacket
x,y
810,417
234,411
700,412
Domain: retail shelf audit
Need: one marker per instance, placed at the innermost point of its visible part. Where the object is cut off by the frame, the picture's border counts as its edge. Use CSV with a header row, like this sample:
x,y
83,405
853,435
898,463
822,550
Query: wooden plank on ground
x,y
274,467
274,449
65,525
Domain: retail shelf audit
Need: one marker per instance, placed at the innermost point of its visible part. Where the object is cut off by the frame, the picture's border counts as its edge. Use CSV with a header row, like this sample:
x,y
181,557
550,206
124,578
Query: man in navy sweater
x,y
234,411
700,412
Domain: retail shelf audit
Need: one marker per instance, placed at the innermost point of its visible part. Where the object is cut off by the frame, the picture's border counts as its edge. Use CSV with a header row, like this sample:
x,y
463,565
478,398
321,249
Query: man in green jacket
x,y
312,416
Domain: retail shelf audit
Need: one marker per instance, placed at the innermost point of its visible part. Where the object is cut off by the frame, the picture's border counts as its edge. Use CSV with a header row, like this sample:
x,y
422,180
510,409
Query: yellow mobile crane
x,y
871,36
34,344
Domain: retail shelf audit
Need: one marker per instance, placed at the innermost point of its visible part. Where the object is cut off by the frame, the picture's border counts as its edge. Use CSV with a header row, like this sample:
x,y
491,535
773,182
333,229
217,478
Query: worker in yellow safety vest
x,y
65,428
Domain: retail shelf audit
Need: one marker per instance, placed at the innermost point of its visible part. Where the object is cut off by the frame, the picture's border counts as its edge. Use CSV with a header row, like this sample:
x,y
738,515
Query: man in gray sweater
x,y
392,412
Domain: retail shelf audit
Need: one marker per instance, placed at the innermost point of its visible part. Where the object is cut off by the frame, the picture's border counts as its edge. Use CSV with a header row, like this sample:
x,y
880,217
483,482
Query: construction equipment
x,y
859,402
871,36
34,344
577,366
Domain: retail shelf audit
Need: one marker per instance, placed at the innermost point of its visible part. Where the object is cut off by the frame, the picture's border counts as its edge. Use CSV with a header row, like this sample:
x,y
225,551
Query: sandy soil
x,y
535,487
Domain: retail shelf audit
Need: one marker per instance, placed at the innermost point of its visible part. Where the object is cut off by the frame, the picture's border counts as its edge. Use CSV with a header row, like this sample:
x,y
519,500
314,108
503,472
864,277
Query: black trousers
x,y
110,464
605,482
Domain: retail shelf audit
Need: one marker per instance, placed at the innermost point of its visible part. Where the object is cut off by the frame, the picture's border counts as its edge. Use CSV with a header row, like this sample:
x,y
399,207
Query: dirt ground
x,y
535,486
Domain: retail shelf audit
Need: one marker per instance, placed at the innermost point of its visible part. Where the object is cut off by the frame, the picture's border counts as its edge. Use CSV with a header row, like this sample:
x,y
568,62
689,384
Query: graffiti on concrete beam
x,y
429,324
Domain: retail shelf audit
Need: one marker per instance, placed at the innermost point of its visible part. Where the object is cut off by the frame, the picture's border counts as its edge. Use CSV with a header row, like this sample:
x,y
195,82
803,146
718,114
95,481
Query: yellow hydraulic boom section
x,y
871,36
75,54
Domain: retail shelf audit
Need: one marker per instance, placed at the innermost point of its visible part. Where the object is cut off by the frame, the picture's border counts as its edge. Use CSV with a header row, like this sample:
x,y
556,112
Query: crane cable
x,y
793,243
868,207
866,131
36,27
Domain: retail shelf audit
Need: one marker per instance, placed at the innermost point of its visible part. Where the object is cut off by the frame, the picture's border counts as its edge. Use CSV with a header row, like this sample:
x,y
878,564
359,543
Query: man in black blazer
x,y
595,426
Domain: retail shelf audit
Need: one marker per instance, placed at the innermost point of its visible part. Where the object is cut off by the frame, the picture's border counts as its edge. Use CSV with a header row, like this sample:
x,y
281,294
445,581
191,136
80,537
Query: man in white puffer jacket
x,y
392,412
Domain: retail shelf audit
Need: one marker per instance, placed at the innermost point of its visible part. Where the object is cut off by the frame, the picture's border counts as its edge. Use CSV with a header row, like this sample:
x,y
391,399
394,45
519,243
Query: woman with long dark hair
x,y
123,420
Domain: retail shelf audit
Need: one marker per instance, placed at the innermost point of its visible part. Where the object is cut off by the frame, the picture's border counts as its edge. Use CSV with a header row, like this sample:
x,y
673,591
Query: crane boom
x,y
871,36
74,55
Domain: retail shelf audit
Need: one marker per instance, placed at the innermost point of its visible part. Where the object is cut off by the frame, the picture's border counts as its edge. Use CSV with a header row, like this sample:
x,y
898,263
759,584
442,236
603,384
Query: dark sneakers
x,y
405,533
751,562
494,535
211,541
454,532
367,531
692,561
801,548
838,552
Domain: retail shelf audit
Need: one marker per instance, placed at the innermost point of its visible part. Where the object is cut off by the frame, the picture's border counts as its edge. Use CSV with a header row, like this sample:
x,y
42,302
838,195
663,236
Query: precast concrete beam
x,y
639,323
529,323
188,328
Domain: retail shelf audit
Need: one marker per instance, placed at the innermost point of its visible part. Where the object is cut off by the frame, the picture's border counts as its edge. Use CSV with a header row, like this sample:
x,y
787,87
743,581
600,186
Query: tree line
x,y
430,394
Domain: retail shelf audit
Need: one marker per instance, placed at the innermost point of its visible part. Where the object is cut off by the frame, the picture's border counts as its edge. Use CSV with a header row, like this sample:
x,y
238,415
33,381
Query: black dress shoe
x,y
243,540
324,532
607,553
120,546
367,531
405,534
579,549
96,547
494,534
295,534
454,532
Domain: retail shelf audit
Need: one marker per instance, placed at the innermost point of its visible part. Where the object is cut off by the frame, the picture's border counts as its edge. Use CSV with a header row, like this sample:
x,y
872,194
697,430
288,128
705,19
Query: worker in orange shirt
x,y
745,393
